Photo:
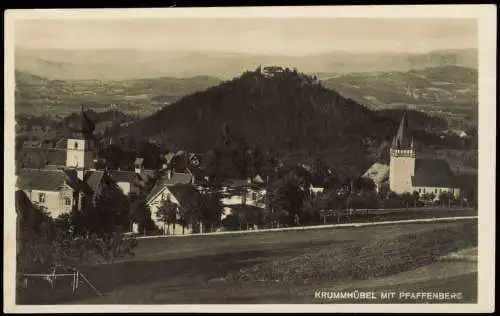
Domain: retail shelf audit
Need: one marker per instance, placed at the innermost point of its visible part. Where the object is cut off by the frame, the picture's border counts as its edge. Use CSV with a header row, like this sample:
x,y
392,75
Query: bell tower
x,y
402,164
80,148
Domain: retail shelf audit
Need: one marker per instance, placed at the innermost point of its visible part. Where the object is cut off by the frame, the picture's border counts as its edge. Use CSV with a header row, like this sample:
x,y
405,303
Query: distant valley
x,y
450,92
39,95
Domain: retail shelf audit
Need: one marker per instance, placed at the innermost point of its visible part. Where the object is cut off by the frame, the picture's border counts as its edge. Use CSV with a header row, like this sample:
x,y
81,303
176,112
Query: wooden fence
x,y
362,224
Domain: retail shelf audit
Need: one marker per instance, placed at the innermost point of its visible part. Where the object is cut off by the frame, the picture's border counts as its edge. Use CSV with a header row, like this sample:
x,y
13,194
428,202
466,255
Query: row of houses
x,y
70,174
61,187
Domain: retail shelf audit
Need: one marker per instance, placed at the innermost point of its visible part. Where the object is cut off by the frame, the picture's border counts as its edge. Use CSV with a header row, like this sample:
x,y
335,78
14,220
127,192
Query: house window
x,y
435,190
76,145
420,190
41,197
67,201
424,190
254,196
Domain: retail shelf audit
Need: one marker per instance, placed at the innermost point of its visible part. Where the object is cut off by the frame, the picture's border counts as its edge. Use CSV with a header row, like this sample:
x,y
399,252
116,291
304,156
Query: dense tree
x,y
446,198
44,243
167,213
232,222
363,184
141,214
320,173
393,200
365,200
285,198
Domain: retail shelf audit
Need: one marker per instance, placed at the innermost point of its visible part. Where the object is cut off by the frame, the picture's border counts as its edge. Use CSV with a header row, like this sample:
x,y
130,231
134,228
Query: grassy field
x,y
227,268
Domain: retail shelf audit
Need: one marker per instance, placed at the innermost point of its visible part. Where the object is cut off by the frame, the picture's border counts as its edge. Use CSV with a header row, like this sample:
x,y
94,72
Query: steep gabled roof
x,y
403,139
432,173
46,180
183,193
93,179
165,181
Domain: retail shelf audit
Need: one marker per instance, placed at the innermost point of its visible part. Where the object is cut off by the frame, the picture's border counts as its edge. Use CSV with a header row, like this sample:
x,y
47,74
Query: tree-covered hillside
x,y
273,109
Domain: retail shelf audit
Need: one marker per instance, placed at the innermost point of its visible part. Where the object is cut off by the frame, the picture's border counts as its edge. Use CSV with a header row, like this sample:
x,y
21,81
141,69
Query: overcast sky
x,y
265,36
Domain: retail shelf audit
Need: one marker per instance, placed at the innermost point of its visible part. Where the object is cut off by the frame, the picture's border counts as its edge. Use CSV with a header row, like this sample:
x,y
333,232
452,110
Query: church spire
x,y
88,126
403,139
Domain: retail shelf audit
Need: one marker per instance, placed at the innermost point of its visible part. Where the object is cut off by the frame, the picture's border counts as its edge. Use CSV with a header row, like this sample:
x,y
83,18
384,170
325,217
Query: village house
x,y
177,188
243,195
55,190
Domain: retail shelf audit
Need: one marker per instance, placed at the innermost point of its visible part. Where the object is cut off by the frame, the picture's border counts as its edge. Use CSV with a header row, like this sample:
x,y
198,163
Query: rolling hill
x,y
40,95
284,111
450,91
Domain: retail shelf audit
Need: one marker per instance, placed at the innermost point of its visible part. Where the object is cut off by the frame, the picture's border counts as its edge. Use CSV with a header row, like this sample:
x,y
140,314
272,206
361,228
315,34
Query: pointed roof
x,y
85,129
46,180
166,181
403,138
88,125
433,173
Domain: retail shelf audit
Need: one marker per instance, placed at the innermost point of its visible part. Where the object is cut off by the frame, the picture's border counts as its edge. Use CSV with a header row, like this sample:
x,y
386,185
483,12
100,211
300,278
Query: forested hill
x,y
273,109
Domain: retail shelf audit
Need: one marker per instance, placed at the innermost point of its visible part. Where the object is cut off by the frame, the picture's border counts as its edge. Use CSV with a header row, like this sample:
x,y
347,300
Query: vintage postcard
x,y
274,159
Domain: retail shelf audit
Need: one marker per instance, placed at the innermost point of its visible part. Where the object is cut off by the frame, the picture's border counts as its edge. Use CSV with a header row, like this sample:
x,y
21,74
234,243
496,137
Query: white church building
x,y
406,173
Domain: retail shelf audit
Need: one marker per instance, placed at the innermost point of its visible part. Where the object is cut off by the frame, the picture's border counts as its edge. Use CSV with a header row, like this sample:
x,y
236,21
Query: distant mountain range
x,y
136,64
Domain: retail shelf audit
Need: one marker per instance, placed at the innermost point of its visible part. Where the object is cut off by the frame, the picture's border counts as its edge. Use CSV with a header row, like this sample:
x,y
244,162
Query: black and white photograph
x,y
215,159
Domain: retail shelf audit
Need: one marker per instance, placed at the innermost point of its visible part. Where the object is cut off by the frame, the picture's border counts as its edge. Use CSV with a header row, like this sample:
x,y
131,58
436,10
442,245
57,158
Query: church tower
x,y
80,148
402,164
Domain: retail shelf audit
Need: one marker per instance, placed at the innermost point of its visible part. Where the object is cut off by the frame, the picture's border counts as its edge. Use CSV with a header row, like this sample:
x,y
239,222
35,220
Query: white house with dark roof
x,y
176,187
243,194
407,173
56,190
